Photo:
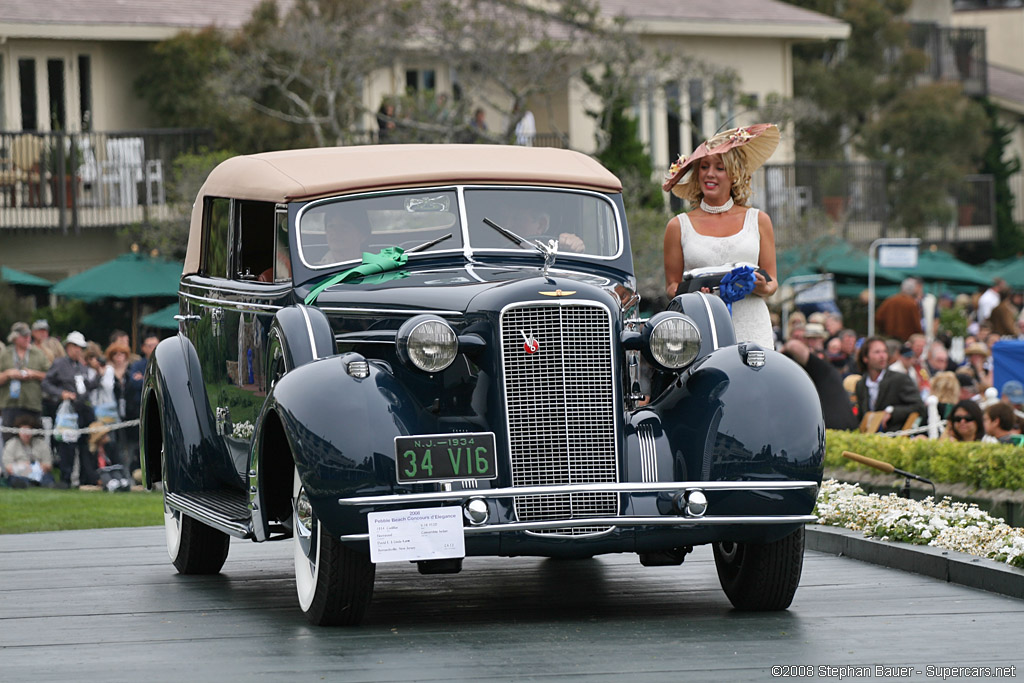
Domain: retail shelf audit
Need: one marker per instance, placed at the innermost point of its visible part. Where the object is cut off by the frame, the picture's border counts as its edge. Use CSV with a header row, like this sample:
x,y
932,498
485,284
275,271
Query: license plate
x,y
442,457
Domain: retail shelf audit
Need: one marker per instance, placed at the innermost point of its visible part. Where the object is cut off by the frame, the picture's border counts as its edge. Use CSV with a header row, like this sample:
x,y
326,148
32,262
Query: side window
x,y
282,254
216,232
254,241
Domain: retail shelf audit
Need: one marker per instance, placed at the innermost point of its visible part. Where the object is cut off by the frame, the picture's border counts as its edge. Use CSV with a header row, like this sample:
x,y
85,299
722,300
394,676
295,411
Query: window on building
x,y
56,89
696,93
3,102
27,92
85,91
420,80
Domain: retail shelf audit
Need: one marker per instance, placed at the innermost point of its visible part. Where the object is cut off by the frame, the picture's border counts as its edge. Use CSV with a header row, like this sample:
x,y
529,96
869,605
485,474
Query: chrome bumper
x,y
674,520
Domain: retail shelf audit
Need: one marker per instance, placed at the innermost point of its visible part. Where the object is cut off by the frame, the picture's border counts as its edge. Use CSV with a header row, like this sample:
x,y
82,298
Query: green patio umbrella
x,y
940,266
18,277
841,260
129,276
1012,272
164,318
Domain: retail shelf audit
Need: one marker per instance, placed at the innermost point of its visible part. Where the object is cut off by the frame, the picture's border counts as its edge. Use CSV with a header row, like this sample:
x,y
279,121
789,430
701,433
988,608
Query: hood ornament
x,y
532,345
549,250
559,292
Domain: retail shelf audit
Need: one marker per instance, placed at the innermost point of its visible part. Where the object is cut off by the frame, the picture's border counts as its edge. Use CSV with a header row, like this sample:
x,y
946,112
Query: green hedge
x,y
980,465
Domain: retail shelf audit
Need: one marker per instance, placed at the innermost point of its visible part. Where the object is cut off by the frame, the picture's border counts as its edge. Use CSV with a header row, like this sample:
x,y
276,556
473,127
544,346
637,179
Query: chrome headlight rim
x,y
409,335
661,324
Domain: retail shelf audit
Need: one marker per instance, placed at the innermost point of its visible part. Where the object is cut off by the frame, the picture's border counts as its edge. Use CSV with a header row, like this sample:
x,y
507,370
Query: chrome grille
x,y
561,408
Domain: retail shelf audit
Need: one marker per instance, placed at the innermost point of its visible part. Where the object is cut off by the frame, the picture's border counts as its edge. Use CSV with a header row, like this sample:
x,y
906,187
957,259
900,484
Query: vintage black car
x,y
423,353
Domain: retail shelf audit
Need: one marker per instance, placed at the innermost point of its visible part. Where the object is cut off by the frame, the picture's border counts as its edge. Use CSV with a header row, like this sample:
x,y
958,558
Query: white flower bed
x,y
943,524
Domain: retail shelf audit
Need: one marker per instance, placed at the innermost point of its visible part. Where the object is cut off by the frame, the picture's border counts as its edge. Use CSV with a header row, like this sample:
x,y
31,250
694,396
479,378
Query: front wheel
x,y
334,583
761,577
194,548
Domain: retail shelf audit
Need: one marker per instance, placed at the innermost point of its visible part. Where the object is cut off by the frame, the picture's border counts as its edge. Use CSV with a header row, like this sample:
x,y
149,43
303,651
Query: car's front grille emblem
x,y
531,345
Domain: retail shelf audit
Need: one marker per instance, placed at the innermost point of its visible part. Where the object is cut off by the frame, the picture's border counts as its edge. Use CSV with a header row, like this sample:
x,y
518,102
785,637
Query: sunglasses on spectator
x,y
962,418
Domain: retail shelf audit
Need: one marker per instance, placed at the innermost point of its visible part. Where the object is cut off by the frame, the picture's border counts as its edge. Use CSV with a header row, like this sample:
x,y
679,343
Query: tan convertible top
x,y
302,174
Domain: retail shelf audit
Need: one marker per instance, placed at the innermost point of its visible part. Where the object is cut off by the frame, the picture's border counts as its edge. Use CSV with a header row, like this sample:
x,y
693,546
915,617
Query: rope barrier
x,y
914,431
81,430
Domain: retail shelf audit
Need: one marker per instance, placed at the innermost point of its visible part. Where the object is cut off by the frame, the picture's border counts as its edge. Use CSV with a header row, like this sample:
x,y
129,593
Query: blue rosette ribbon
x,y
736,284
374,268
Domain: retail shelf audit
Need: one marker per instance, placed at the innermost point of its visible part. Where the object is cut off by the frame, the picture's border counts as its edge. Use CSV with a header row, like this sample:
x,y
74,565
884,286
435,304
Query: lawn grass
x,y
35,509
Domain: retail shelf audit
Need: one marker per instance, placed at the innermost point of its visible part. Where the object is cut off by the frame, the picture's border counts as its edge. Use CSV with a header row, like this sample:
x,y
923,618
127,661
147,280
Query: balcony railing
x,y
954,54
849,201
71,181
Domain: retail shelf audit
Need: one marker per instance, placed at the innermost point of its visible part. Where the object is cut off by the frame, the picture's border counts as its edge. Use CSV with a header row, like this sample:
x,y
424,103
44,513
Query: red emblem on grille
x,y
531,345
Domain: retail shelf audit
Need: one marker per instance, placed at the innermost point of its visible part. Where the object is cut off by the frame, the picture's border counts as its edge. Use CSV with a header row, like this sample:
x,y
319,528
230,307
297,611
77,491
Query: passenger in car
x,y
345,238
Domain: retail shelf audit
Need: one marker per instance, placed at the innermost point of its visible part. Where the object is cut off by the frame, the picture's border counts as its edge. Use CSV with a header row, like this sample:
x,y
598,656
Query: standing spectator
x,y
814,336
878,390
899,315
835,402
22,369
848,340
133,397
479,122
27,460
102,397
48,345
988,301
68,380
526,129
1000,424
833,324
1003,319
385,121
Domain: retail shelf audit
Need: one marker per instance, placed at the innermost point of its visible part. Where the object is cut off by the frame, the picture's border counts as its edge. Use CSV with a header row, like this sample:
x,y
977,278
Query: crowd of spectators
x,y
63,406
883,383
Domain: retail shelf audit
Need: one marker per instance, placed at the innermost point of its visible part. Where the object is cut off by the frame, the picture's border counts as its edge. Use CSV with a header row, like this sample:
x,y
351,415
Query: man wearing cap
x,y
1013,394
22,369
68,380
42,340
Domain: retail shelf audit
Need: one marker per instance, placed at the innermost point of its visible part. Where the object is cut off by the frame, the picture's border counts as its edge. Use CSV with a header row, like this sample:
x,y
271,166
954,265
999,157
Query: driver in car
x,y
535,223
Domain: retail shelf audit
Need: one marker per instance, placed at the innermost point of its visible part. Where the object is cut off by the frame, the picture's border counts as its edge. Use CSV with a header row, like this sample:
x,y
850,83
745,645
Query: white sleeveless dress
x,y
749,314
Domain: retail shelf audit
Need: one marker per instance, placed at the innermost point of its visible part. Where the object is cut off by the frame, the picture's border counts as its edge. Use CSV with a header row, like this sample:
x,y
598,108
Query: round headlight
x,y
674,340
428,343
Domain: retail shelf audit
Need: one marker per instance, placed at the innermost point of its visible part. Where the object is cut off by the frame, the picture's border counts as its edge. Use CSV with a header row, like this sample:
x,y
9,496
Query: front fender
x,y
300,334
178,442
727,420
339,429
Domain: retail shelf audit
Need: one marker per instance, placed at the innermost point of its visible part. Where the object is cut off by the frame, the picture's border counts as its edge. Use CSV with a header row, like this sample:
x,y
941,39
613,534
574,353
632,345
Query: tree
x,y
839,86
1009,239
308,66
931,136
177,82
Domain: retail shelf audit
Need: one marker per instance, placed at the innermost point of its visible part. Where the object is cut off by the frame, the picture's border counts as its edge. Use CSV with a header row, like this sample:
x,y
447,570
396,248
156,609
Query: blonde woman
x,y
723,229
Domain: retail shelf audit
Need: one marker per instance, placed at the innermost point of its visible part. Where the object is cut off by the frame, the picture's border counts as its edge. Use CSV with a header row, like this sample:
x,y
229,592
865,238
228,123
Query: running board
x,y
223,510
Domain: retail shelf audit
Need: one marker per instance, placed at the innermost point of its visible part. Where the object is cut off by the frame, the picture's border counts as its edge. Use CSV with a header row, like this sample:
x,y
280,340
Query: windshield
x,y
582,223
338,231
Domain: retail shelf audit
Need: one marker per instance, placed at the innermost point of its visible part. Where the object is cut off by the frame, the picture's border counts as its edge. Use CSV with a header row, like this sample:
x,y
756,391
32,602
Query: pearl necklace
x,y
707,208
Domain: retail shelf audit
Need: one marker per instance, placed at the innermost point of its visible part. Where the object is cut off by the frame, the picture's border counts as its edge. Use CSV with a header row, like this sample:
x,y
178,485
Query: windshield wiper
x,y
512,236
428,245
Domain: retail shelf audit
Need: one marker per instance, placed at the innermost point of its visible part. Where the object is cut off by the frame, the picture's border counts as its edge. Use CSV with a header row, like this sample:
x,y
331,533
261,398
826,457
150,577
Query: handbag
x,y
65,424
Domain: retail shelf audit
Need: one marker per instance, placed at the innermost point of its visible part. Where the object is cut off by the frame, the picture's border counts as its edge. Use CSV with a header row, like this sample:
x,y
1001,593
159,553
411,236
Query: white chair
x,y
89,170
126,167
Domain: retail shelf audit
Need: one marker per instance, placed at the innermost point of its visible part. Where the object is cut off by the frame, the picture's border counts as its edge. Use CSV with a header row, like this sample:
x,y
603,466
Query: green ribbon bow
x,y
389,258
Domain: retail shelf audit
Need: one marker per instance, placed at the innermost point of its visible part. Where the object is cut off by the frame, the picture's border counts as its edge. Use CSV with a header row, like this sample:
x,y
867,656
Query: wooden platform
x,y
106,605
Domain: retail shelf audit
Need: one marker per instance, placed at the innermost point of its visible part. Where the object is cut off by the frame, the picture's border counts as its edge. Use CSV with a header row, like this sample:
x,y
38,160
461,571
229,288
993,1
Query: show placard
x,y
413,535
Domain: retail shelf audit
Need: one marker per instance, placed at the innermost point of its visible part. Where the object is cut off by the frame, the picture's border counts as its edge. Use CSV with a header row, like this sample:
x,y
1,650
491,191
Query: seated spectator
x,y
849,346
966,423
814,338
946,388
27,460
879,390
1013,394
977,366
1001,424
937,359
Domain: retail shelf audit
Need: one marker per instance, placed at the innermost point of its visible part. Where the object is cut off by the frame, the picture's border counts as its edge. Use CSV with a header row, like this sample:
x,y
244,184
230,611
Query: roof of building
x,y
159,19
303,174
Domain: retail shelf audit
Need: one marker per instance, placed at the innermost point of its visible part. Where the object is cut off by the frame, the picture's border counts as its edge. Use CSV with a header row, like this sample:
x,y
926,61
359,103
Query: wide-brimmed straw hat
x,y
757,143
977,349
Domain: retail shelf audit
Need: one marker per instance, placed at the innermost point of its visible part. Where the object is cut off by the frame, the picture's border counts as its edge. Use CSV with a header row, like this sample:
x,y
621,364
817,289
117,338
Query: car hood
x,y
418,288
